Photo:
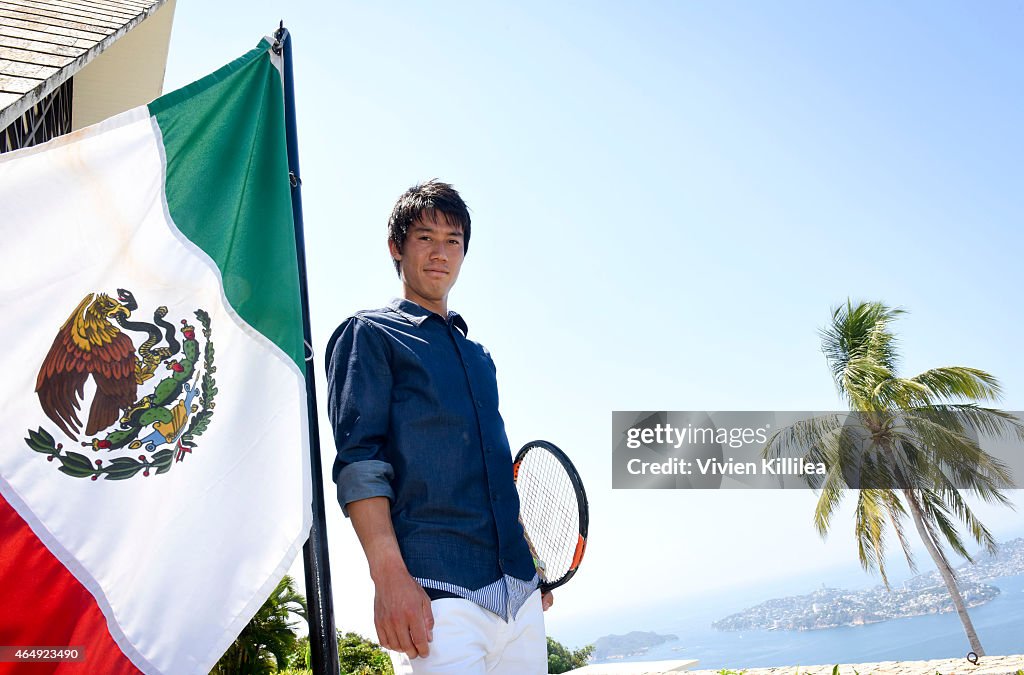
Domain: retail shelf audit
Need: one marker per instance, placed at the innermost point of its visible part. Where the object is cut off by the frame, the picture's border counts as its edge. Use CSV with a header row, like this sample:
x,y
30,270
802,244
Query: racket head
x,y
553,509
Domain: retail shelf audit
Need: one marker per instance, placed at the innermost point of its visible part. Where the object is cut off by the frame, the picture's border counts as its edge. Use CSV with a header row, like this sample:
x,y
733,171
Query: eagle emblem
x,y
130,408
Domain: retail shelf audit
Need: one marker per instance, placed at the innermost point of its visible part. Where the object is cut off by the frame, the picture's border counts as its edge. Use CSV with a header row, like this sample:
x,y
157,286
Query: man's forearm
x,y
371,519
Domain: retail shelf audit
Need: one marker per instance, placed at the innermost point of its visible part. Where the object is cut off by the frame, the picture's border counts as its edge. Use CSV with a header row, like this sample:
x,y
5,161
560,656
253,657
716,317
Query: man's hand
x,y
547,598
401,613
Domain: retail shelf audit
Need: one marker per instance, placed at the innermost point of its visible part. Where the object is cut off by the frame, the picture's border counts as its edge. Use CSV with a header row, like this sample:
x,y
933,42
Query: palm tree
x,y
910,447
266,642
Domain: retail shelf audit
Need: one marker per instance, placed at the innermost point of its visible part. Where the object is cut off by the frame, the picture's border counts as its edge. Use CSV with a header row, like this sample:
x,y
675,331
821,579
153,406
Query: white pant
x,y
469,640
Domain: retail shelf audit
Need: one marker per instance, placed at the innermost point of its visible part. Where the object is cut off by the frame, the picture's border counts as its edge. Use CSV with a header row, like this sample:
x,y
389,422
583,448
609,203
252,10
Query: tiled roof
x,y
45,42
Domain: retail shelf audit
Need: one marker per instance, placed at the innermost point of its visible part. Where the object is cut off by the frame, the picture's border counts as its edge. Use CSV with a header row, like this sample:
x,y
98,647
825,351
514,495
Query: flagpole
x,y
323,641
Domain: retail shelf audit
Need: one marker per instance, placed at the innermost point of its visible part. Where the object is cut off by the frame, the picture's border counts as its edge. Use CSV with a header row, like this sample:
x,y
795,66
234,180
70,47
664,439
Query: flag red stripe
x,y
43,604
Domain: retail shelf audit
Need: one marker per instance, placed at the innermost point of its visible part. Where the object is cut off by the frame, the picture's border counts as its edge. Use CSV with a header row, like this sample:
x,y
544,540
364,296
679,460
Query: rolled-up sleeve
x,y
359,399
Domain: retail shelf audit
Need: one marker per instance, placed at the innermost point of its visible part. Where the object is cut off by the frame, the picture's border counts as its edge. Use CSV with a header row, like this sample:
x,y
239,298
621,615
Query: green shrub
x,y
359,656
561,659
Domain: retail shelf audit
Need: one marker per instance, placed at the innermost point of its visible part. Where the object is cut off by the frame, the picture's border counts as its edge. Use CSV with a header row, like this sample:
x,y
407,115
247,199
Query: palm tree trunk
x,y
945,572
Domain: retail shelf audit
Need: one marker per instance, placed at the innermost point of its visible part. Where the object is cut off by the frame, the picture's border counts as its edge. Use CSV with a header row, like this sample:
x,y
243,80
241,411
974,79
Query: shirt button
x,y
494,496
479,403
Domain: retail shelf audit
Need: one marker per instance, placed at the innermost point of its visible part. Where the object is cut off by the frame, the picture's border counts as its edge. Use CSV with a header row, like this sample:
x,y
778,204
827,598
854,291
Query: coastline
x,y
934,636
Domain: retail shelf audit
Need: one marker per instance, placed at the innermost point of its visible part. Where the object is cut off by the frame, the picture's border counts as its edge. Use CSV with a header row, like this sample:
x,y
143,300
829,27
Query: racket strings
x,y
550,511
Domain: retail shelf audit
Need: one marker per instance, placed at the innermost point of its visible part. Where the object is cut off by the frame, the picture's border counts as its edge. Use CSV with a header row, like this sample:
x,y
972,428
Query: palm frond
x,y
815,440
915,501
799,438
860,348
831,494
957,383
860,379
896,513
869,528
264,644
287,597
951,450
989,422
980,533
898,392
937,512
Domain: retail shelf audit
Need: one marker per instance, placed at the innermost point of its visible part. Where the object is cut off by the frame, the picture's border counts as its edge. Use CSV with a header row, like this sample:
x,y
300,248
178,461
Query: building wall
x,y
129,73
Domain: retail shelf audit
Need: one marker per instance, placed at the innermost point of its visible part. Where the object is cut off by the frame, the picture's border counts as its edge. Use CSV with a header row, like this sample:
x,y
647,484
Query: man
x,y
424,468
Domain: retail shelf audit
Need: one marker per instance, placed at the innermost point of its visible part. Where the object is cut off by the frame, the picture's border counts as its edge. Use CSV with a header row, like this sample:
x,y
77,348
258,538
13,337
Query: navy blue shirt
x,y
414,407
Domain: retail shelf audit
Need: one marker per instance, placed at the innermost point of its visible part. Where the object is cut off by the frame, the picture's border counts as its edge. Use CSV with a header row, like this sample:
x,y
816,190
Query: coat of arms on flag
x,y
166,229
130,408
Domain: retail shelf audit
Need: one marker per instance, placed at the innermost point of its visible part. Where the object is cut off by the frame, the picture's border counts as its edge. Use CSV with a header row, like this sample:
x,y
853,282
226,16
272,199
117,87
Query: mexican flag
x,y
154,476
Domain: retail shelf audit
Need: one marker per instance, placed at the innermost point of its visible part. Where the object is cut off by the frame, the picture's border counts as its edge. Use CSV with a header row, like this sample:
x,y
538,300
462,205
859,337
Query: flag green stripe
x,y
228,192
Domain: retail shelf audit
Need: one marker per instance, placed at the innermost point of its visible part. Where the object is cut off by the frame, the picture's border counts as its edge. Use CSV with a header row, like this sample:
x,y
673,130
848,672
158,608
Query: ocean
x,y
1000,626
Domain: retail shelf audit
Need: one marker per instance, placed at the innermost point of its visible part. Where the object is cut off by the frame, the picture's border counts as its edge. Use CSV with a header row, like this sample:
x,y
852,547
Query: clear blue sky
x,y
667,199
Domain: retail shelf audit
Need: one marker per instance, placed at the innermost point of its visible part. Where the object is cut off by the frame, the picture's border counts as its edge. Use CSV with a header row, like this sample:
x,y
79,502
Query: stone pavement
x,y
987,665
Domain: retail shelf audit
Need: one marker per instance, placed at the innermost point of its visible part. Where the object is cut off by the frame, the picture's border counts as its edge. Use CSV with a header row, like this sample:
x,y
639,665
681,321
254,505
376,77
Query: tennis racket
x,y
553,510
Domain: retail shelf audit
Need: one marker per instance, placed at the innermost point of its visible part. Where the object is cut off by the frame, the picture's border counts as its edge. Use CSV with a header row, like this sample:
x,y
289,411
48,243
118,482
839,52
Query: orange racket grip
x,y
581,547
515,470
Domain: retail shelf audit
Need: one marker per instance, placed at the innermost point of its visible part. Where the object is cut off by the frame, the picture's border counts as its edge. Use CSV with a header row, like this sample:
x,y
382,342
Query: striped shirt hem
x,y
504,597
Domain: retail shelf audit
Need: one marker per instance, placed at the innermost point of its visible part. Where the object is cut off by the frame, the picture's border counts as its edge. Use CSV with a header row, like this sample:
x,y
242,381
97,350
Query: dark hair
x,y
430,197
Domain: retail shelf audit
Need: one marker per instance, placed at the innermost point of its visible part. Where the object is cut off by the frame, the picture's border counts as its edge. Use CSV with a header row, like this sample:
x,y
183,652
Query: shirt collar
x,y
416,315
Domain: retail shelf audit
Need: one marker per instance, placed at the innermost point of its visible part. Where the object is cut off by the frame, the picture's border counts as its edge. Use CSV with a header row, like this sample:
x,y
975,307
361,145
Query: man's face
x,y
430,260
